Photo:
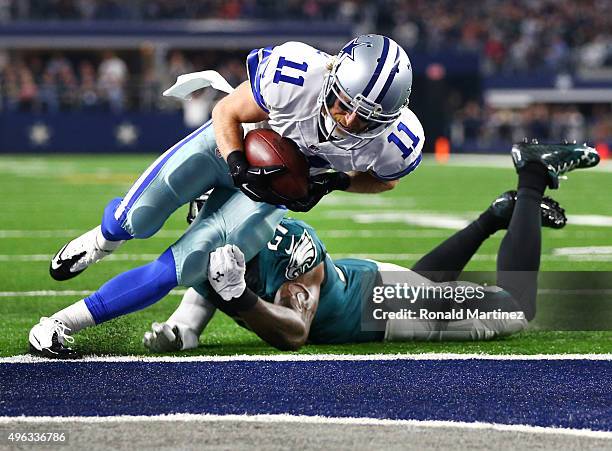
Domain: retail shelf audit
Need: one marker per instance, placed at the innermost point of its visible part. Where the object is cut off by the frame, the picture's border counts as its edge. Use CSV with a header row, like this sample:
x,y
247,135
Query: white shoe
x,y
78,255
48,339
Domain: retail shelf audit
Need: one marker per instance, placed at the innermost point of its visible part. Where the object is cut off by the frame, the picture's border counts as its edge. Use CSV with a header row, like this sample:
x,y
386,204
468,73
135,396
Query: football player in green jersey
x,y
293,292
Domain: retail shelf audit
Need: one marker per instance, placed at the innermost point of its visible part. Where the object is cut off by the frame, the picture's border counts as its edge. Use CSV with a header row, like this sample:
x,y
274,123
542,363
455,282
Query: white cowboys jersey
x,y
286,82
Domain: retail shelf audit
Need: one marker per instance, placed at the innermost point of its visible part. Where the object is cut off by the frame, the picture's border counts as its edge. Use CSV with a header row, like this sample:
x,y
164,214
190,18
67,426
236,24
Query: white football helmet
x,y
371,76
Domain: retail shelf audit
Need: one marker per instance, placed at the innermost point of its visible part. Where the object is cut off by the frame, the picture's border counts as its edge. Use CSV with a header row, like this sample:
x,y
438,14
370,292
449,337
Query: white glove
x,y
226,270
165,338
162,338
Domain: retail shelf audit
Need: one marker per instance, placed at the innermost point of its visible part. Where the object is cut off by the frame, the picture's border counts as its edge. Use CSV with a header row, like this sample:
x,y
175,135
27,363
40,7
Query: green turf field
x,y
48,200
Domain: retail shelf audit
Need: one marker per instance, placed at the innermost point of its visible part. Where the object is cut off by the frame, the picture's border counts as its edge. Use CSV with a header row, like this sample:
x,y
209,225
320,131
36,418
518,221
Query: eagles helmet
x,y
371,76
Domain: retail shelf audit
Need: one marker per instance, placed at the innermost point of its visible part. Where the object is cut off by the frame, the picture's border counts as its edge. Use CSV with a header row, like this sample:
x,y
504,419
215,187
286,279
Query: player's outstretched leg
x,y
518,259
229,217
130,291
182,173
447,260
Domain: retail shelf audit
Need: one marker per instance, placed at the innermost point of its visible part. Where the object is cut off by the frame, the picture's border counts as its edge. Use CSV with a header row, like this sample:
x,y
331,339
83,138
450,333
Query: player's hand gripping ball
x,y
265,148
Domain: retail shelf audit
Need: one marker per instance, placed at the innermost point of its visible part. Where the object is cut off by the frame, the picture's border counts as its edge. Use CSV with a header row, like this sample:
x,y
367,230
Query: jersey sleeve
x,y
294,250
402,147
257,62
284,78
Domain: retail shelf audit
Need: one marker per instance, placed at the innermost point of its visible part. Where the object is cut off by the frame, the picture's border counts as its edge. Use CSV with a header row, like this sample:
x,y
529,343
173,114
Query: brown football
x,y
264,147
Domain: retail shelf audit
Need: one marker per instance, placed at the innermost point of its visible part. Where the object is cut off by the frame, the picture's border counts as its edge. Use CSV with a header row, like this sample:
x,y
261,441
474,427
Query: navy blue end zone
x,y
560,393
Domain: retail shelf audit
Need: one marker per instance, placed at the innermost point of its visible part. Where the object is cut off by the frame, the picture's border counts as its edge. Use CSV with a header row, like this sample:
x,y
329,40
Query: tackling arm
x,y
286,323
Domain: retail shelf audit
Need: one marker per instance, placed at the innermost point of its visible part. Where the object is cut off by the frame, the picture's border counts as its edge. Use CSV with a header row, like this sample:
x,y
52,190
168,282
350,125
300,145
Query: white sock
x,y
76,317
104,244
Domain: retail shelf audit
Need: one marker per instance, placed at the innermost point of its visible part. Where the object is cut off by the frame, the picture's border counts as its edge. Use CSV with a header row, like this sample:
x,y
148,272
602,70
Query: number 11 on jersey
x,y
393,138
279,76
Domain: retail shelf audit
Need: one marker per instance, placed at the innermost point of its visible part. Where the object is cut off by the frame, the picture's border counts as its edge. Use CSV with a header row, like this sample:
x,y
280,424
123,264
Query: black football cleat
x,y
558,159
48,338
553,215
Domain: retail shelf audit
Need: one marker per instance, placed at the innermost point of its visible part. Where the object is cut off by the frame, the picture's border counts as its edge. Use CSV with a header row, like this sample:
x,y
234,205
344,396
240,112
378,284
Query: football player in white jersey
x,y
347,113
297,262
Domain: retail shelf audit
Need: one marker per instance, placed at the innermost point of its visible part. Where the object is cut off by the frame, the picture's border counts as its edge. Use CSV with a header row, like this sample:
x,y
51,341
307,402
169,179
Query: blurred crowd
x,y
178,9
511,35
474,126
53,82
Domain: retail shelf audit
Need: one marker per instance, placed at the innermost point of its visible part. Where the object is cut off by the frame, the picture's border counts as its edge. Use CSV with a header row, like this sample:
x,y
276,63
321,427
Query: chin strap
x,y
186,84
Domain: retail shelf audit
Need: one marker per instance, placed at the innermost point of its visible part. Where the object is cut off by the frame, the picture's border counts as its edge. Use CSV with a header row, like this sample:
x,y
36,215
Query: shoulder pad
x,y
286,78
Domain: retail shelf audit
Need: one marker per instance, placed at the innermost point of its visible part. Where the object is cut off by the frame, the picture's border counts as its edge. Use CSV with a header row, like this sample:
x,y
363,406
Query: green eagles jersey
x,y
295,250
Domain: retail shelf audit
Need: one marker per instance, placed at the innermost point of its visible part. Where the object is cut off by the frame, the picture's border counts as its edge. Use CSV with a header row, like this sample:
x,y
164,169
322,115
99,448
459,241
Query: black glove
x,y
254,181
319,186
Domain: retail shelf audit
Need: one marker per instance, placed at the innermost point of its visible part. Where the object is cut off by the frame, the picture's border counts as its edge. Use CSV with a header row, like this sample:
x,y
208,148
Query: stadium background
x,y
486,73
86,76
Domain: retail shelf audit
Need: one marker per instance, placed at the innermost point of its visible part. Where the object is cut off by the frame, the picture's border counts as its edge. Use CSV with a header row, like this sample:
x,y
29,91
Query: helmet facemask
x,y
367,111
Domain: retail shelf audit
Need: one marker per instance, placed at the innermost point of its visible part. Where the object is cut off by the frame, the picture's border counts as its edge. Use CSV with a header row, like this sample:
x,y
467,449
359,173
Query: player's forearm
x,y
278,326
363,182
228,130
229,113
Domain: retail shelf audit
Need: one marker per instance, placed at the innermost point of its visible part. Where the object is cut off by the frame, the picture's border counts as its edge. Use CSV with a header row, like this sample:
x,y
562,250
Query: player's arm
x,y
364,182
228,115
284,324
355,182
183,329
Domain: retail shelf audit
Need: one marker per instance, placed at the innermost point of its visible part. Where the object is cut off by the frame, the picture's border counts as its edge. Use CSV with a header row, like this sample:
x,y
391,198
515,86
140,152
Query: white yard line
x,y
12,258
329,233
584,250
301,419
29,359
324,233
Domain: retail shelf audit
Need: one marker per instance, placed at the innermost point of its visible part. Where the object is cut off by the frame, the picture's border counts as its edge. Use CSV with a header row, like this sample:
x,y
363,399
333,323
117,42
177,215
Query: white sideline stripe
x,y
55,293
301,419
29,359
11,258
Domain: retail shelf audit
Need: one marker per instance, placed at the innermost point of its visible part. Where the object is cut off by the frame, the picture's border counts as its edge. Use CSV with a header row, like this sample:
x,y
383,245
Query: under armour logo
x,y
217,278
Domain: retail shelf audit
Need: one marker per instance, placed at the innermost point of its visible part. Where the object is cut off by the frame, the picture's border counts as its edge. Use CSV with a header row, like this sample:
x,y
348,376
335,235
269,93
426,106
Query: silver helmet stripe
x,y
378,69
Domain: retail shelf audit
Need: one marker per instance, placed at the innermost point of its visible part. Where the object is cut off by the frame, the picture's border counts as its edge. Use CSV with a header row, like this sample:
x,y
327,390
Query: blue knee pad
x,y
111,228
133,290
